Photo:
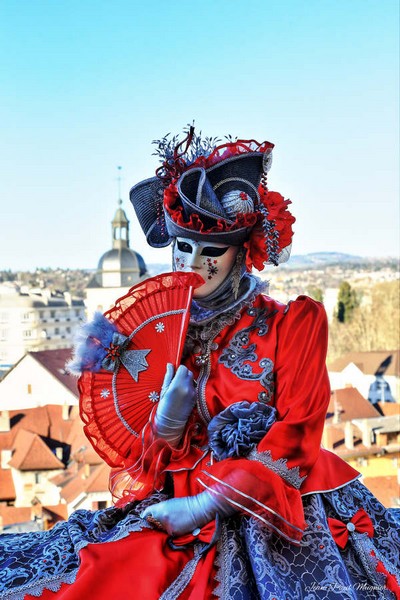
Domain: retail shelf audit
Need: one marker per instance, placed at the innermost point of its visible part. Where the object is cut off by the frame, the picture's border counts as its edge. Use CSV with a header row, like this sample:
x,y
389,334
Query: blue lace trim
x,y
279,466
32,562
239,353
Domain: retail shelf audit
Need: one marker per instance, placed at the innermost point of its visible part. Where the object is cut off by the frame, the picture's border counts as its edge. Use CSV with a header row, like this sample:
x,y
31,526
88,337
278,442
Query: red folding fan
x,y
128,352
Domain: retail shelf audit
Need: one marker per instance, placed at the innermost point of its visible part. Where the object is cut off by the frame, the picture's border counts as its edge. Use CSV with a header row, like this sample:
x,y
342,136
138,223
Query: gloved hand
x,y
179,516
177,400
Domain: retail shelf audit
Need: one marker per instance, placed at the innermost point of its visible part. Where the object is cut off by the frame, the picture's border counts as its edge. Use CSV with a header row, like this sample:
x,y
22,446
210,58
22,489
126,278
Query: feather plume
x,y
91,344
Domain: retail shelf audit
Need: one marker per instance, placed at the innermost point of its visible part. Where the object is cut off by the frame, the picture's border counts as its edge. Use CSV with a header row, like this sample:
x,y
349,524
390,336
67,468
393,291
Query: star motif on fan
x,y
154,396
105,393
160,327
135,362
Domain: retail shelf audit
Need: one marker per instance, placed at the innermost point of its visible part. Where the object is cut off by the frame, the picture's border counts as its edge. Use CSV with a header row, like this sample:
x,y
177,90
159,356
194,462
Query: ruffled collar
x,y
222,300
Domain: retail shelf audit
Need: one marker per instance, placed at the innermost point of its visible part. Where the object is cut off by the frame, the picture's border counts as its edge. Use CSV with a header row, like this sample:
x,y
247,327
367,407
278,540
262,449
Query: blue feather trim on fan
x,y
91,345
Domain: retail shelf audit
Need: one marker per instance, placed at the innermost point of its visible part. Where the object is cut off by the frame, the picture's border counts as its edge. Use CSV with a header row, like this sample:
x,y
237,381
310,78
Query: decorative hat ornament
x,y
215,192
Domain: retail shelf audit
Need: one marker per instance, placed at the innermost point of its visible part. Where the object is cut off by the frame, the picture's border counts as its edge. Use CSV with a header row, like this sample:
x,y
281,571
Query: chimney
x,y
68,298
6,456
366,434
337,409
65,412
348,435
327,437
4,421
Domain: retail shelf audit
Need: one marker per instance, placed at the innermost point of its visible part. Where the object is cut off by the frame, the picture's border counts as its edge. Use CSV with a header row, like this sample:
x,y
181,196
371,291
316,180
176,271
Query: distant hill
x,y
314,260
322,259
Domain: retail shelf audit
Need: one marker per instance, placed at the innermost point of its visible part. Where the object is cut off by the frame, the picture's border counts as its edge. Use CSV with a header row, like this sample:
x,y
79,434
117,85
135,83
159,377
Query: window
x,y
3,317
37,477
29,388
27,333
52,314
57,331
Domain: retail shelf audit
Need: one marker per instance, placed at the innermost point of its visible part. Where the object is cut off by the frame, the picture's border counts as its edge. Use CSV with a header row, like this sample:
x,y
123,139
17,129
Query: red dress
x,y
271,354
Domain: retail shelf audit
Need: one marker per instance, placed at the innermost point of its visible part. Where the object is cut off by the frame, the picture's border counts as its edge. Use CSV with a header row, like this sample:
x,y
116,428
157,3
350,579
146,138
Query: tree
x,y
316,293
375,325
347,303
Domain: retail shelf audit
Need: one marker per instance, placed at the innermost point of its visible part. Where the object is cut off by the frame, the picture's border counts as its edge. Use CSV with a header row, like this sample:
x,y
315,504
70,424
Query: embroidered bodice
x,y
259,352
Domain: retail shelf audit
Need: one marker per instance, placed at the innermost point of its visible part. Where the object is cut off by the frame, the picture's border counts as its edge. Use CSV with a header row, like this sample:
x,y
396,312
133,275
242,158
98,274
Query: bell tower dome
x,y
120,228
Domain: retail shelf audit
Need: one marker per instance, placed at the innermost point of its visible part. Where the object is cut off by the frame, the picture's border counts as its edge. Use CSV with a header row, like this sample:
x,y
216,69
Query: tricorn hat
x,y
214,195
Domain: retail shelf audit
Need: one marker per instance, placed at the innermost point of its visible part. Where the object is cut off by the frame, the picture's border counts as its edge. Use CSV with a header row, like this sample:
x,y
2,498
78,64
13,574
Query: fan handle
x,y
184,326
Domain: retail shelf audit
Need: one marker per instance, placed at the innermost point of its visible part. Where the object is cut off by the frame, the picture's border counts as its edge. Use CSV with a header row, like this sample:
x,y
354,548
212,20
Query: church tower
x,y
118,269
120,228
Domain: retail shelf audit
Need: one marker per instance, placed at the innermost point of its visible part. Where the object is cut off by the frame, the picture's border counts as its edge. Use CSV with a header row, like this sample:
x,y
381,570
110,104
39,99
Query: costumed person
x,y
224,491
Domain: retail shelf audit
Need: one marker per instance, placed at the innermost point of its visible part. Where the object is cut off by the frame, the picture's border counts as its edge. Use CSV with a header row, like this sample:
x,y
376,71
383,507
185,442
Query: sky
x,y
87,85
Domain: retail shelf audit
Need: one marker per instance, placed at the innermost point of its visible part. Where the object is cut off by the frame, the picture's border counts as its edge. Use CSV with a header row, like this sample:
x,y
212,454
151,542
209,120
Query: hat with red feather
x,y
214,192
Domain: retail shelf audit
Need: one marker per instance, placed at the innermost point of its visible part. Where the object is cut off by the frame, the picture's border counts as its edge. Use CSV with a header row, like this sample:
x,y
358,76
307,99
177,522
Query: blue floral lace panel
x,y
255,563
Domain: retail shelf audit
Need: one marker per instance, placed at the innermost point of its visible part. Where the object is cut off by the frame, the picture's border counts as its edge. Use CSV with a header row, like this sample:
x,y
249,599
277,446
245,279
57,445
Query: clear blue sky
x,y
86,85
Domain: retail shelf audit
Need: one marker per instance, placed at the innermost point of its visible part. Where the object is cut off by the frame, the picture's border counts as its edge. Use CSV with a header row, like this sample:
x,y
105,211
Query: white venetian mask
x,y
210,260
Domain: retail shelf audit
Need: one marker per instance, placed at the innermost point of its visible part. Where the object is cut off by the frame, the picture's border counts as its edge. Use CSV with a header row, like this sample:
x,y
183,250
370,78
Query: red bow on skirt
x,y
361,523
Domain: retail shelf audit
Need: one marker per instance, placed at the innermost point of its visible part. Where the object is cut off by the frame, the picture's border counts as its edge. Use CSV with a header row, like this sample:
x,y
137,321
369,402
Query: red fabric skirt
x,y
141,565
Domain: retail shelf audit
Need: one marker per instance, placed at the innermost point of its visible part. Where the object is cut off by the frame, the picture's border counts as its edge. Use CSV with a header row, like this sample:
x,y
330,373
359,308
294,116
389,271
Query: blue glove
x,y
179,516
178,397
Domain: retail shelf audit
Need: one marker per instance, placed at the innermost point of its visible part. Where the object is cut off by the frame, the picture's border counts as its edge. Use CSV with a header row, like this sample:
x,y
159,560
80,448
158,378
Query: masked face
x,y
210,260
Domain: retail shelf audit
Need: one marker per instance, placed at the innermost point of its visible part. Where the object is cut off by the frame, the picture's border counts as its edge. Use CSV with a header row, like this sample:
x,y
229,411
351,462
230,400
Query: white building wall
x,y
29,385
35,321
351,376
102,299
87,501
35,484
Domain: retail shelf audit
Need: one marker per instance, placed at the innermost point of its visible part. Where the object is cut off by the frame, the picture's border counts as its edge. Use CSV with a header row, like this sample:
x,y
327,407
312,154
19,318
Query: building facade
x,y
35,319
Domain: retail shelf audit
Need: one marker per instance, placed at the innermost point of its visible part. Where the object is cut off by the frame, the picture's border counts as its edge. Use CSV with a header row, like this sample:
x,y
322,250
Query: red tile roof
x,y
390,409
385,488
57,512
98,481
7,489
11,515
32,453
350,404
81,449
33,419
84,480
54,361
368,362
73,487
60,427
46,421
